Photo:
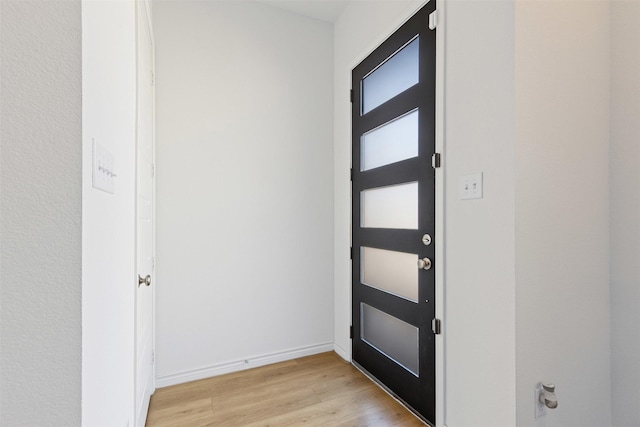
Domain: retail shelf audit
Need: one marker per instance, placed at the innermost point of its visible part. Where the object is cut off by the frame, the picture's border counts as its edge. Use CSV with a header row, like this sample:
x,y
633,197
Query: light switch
x,y
471,186
103,169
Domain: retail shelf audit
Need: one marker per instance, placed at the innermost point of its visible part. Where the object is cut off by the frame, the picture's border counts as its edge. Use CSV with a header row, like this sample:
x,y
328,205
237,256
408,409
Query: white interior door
x,y
144,377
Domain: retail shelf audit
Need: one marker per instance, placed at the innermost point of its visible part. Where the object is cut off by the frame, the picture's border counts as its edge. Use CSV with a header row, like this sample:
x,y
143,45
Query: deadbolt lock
x,y
426,239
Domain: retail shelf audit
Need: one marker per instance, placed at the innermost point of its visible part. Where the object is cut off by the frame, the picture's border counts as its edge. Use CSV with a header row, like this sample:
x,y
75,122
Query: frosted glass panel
x,y
395,75
395,206
390,271
391,336
394,141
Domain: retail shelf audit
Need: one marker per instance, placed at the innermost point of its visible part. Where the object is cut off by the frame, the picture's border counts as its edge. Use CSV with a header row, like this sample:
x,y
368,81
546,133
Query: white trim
x,y
241,365
149,14
142,15
345,354
440,213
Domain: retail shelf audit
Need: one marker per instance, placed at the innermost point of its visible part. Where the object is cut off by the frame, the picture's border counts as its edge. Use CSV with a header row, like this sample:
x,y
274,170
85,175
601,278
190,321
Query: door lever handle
x,y
144,280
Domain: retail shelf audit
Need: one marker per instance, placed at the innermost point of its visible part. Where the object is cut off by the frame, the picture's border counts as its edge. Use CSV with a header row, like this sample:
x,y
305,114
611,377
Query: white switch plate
x,y
103,169
471,186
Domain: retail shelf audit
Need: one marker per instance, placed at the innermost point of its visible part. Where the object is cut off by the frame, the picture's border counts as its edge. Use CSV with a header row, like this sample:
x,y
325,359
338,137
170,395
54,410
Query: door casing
x,y
143,25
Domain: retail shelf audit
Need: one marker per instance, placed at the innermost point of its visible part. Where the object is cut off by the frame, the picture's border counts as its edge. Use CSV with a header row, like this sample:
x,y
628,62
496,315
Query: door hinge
x,y
153,170
153,263
351,252
153,357
433,20
153,78
436,160
351,95
351,175
436,326
351,332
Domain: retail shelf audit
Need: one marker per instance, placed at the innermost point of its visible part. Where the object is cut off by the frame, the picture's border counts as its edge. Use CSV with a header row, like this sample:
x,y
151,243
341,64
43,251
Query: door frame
x,y
439,263
145,5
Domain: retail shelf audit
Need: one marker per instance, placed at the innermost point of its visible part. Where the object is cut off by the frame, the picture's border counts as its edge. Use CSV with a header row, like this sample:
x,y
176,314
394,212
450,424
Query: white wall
x,y
479,132
40,214
562,209
244,187
108,227
624,199
479,323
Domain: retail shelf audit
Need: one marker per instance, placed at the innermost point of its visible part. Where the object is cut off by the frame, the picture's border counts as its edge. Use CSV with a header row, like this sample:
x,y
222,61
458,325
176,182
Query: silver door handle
x,y
144,280
424,264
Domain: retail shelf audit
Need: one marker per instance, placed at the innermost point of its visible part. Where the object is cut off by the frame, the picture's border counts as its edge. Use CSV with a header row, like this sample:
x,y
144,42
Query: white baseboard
x,y
342,352
241,365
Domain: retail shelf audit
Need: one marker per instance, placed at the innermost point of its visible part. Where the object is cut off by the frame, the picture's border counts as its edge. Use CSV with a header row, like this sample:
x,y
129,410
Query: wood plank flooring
x,y
319,390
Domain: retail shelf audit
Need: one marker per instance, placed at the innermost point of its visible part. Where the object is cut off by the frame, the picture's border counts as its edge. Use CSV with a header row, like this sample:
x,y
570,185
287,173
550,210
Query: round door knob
x,y
424,264
144,280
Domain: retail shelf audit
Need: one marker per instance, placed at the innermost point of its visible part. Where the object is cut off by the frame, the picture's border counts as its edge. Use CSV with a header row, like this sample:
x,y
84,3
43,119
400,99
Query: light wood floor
x,y
320,390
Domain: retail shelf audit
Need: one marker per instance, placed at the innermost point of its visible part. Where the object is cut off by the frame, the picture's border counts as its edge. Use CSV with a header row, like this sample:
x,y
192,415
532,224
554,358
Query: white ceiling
x,y
325,10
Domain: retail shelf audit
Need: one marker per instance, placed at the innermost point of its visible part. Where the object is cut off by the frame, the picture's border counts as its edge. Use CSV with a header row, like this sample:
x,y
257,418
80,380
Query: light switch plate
x,y
471,186
103,169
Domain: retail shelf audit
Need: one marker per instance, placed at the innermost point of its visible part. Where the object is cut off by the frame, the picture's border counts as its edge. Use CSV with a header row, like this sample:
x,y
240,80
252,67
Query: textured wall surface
x,y
40,213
